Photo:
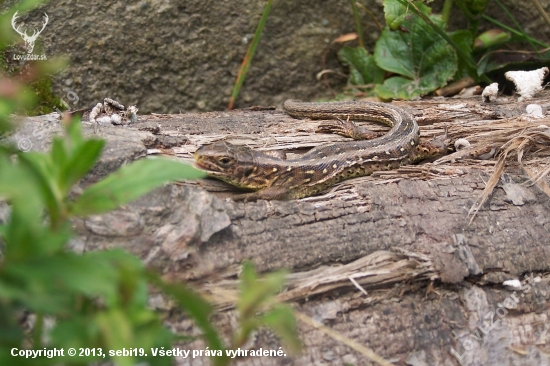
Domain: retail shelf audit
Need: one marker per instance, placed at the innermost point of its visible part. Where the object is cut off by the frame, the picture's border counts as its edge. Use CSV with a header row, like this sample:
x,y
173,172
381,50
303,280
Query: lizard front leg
x,y
348,129
268,193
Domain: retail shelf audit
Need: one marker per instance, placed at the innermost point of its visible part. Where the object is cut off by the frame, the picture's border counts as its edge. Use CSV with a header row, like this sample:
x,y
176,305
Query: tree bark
x,y
434,277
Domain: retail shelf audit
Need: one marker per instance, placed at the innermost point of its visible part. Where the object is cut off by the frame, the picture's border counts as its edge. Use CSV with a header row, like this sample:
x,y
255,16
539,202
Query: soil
x,y
170,56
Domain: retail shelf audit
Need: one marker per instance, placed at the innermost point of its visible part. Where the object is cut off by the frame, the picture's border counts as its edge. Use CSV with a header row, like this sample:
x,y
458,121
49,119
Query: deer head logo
x,y
29,40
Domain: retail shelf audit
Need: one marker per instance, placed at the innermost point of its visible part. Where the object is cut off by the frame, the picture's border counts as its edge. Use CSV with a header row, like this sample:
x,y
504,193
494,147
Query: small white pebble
x,y
512,283
534,110
461,144
490,93
528,83
104,121
116,119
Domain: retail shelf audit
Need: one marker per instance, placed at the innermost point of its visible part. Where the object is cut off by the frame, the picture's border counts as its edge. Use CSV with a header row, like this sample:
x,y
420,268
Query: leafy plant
x,y
98,300
52,298
256,294
415,50
423,59
420,54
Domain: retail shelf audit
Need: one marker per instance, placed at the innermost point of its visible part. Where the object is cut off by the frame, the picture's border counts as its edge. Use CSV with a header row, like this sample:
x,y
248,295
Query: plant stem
x,y
545,16
518,26
371,15
358,27
249,55
447,6
512,30
473,21
37,331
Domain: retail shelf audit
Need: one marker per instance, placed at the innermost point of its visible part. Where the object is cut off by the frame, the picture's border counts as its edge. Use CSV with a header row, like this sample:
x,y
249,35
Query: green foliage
x,y
396,12
421,54
47,100
38,97
362,67
423,68
257,294
464,40
96,301
142,175
472,8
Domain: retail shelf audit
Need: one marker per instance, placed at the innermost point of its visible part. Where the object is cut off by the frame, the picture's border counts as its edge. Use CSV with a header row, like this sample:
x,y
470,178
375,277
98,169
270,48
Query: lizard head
x,y
231,163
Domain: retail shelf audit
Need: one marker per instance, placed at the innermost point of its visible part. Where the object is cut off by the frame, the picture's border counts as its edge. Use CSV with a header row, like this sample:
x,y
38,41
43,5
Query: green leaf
x,y
420,55
255,292
49,284
82,160
363,70
57,154
464,40
74,134
197,308
476,7
44,173
130,182
396,12
281,320
10,331
116,330
24,235
396,88
491,38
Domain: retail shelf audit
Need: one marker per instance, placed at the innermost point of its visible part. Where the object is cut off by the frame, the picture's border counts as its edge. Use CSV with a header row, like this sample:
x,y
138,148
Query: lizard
x,y
276,178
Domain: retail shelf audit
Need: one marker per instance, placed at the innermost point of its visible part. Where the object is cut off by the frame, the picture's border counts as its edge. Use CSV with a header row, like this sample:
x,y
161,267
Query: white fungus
x,y
490,93
461,144
528,83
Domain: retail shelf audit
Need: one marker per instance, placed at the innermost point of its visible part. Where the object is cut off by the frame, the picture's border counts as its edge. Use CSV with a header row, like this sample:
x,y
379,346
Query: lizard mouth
x,y
199,166
207,169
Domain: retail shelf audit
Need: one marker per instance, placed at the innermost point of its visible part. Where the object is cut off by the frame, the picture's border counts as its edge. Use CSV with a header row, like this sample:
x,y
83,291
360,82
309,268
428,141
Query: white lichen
x,y
490,93
528,83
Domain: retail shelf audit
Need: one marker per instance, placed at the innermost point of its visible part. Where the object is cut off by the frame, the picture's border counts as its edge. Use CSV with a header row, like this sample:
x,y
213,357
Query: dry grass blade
x,y
536,178
367,352
540,9
530,142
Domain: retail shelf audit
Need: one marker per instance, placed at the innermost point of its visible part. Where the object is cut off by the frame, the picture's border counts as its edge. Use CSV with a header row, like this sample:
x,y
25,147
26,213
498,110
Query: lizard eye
x,y
224,161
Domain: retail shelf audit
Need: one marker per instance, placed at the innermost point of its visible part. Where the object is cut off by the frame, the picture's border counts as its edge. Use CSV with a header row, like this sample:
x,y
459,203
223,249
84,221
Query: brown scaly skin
x,y
274,178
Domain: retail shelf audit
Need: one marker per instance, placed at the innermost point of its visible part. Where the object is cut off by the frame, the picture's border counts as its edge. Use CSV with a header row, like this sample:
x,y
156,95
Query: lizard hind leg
x,y
348,129
433,148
